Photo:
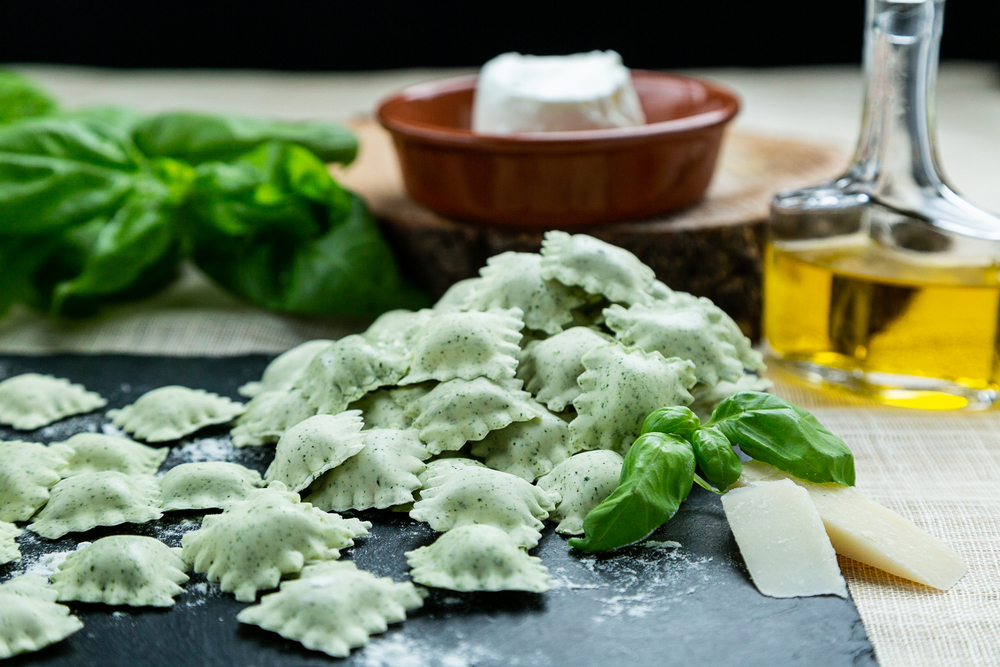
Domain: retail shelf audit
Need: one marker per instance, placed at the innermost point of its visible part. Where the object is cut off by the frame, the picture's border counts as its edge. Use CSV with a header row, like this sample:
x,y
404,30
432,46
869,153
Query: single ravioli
x,y
122,569
583,481
172,412
600,268
381,475
444,466
457,296
347,370
379,409
550,367
527,449
393,331
706,398
30,401
458,411
334,607
27,471
94,499
694,333
310,448
9,549
621,386
284,369
514,280
470,494
30,619
94,452
466,345
207,485
268,415
253,543
478,558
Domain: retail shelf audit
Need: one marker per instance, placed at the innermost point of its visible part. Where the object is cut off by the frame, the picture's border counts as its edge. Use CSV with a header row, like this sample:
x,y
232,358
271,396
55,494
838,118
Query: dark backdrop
x,y
375,34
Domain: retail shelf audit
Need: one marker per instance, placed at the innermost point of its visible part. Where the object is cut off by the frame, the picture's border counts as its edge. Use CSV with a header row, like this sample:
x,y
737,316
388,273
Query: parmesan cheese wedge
x,y
863,530
782,540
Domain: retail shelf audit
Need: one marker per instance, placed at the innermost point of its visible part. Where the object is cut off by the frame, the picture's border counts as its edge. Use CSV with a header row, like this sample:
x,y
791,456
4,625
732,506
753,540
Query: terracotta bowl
x,y
559,179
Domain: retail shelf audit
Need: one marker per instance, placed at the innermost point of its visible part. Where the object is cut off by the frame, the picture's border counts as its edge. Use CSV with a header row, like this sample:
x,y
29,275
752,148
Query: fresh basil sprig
x,y
100,204
770,429
656,477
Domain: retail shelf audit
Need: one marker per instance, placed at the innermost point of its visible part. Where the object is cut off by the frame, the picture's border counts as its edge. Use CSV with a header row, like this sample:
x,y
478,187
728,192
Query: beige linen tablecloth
x,y
941,470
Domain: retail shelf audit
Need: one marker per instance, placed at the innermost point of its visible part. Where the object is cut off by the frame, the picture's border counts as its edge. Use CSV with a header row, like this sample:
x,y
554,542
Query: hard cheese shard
x,y
782,540
863,530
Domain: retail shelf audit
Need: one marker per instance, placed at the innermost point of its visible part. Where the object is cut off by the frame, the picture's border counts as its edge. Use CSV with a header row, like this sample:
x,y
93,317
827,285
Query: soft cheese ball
x,y
585,91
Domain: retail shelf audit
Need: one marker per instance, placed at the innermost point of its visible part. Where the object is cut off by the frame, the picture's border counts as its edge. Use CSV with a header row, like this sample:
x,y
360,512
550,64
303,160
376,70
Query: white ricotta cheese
x,y
585,91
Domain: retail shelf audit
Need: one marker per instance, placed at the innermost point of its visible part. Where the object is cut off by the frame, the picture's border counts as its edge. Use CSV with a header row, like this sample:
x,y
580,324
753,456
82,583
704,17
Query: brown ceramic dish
x,y
559,179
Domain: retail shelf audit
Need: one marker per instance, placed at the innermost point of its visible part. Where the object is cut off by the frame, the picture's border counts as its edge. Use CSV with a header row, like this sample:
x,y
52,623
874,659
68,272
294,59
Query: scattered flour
x,y
112,430
206,449
46,564
399,650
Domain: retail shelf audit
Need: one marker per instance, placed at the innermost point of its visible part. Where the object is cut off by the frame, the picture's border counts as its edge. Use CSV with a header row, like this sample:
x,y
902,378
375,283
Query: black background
x,y
376,34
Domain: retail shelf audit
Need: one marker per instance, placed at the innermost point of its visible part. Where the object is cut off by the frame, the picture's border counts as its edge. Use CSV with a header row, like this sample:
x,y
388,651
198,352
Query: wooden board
x,y
712,249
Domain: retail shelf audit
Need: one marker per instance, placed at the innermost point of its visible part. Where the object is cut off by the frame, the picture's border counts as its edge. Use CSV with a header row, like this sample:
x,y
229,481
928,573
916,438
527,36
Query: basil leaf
x,y
19,98
656,477
674,420
716,458
137,250
772,430
197,138
57,172
21,258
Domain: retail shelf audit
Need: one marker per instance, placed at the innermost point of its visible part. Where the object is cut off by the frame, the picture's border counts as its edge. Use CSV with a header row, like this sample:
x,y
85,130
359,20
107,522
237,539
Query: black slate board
x,y
647,605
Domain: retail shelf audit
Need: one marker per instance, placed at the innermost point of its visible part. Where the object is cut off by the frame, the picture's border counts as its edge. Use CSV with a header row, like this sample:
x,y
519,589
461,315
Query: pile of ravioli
x,y
511,402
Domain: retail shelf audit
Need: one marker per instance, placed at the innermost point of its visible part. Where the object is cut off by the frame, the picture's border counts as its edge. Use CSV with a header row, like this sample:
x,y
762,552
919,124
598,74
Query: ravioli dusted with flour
x,y
172,412
207,485
268,415
514,280
31,401
383,474
122,569
93,452
27,471
9,549
253,543
285,369
550,367
310,448
620,387
334,607
466,345
380,410
582,482
527,449
458,411
347,370
473,495
597,267
30,619
94,499
478,557
694,333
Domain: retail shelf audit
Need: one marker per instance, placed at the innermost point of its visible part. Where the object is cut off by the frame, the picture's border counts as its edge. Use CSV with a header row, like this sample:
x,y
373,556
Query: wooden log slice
x,y
712,249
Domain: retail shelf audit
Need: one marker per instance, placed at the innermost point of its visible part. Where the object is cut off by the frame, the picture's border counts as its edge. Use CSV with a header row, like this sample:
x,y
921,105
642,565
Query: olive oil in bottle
x,y
906,331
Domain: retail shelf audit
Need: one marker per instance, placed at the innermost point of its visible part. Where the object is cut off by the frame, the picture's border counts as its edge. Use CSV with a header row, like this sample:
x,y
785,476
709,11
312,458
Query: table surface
x,y
941,470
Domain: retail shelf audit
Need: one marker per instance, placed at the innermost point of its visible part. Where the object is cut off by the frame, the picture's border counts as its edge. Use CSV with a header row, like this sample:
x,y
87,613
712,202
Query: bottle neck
x,y
897,151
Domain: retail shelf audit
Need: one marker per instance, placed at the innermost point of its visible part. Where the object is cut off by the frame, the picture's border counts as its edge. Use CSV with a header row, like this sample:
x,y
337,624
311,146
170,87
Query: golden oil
x,y
907,332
